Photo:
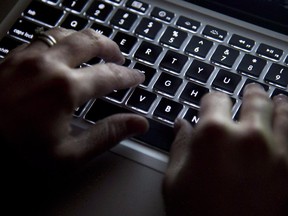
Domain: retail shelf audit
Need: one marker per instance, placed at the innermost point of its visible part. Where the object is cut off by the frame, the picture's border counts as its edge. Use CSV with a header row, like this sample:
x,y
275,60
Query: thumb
x,y
102,136
181,147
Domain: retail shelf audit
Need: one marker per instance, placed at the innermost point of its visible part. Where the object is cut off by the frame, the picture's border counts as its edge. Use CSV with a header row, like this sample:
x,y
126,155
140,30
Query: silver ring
x,y
44,37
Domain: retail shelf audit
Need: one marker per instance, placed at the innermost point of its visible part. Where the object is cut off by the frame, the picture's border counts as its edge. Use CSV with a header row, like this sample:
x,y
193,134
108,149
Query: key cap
x,y
173,61
168,110
7,44
226,81
116,1
225,56
118,95
141,100
248,81
199,47
99,10
79,110
137,6
43,13
277,75
148,52
193,93
148,71
162,15
214,33
76,5
104,30
199,71
251,65
125,42
192,116
24,29
148,28
269,52
241,42
167,84
286,60
74,22
173,37
159,135
188,24
123,19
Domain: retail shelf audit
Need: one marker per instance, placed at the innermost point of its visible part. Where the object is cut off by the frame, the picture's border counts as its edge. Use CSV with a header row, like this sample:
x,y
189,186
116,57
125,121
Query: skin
x,y
222,167
41,87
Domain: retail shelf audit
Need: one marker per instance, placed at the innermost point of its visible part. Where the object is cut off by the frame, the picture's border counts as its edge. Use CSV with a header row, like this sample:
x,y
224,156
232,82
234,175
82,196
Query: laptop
x,y
186,49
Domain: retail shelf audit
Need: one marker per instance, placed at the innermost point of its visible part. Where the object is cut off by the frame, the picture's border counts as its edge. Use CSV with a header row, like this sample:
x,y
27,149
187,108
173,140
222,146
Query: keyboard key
x,y
74,22
125,42
251,65
192,116
173,37
148,52
225,56
241,42
43,13
159,135
199,47
248,81
226,81
118,95
167,84
99,10
188,24
193,93
123,19
24,29
173,61
168,110
199,71
148,71
286,60
138,6
116,1
79,110
141,100
148,28
162,15
214,33
104,30
76,5
7,44
270,52
277,75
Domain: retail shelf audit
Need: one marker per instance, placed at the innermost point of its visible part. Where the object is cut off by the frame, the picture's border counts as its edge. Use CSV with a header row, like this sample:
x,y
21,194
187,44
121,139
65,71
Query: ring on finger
x,y
44,37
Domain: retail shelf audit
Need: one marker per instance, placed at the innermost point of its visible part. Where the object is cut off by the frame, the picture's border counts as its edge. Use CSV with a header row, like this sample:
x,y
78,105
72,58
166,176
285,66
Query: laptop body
x,y
127,180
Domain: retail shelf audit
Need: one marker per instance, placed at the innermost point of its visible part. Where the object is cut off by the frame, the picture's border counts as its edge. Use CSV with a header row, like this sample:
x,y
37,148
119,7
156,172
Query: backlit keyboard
x,y
182,58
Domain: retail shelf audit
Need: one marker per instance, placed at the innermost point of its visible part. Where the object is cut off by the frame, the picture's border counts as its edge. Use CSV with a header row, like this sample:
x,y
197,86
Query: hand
x,y
222,167
40,87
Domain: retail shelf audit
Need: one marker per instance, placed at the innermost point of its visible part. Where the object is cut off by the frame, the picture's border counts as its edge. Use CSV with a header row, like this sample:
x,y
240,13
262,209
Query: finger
x,y
181,146
17,49
82,46
103,136
257,108
57,33
101,79
280,123
216,106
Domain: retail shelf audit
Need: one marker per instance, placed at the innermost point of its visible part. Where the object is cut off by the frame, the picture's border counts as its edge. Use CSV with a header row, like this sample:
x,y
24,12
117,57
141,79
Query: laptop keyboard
x,y
182,59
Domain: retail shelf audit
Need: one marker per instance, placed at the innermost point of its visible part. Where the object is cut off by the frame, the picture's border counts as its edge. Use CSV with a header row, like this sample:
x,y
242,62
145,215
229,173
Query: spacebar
x,y
159,135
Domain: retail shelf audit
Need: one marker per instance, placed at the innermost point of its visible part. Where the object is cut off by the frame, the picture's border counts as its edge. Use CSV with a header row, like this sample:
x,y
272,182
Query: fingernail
x,y
280,99
251,86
